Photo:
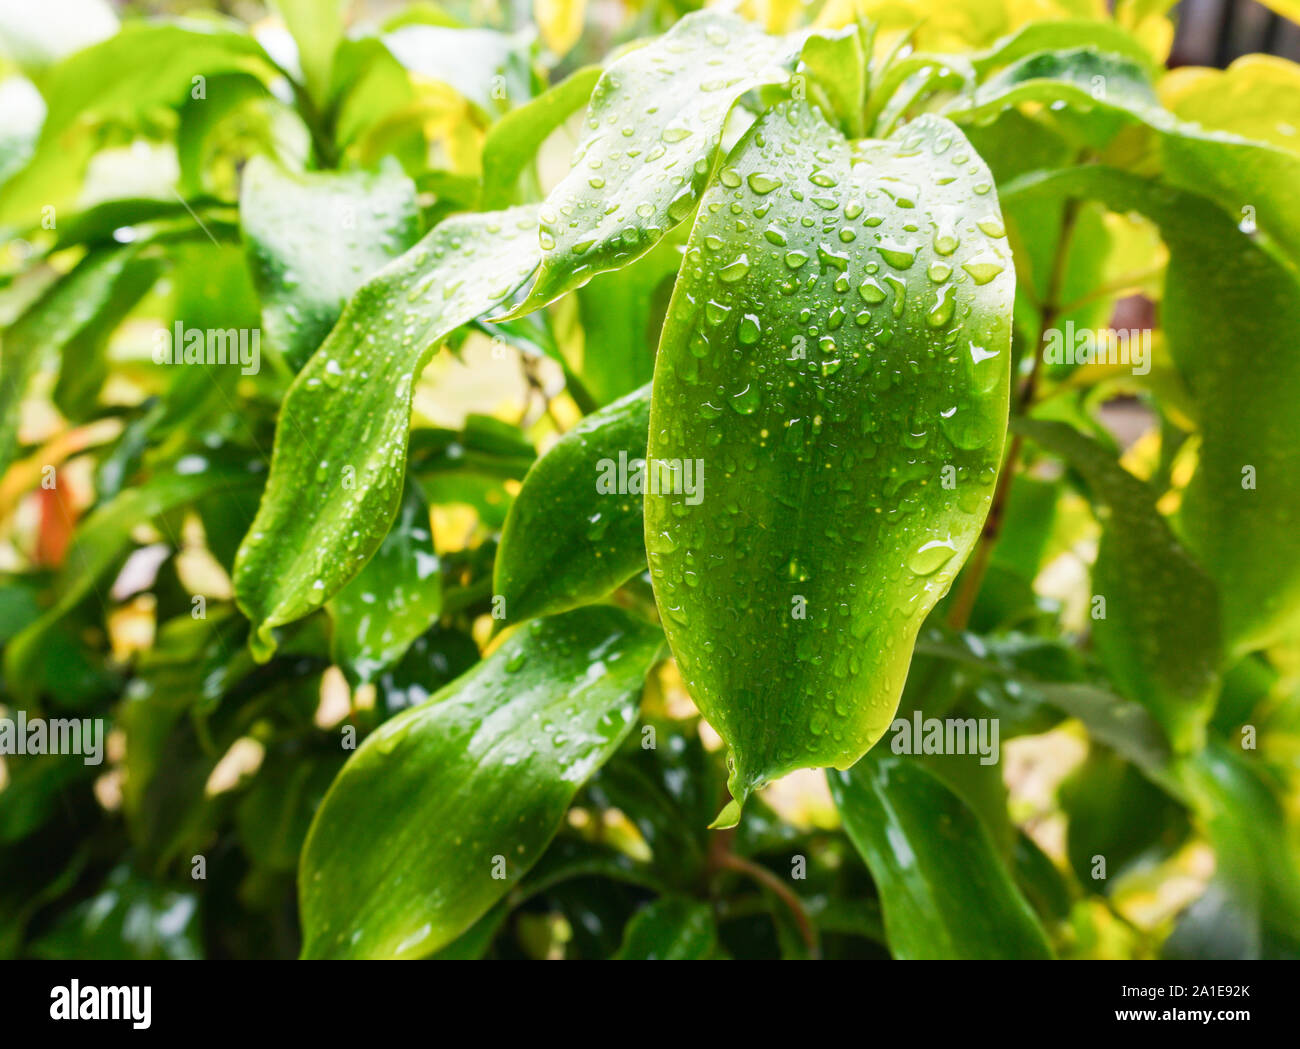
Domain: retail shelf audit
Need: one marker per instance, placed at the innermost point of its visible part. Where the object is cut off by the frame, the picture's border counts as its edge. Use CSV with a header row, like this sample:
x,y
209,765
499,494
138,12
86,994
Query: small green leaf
x,y
839,64
314,238
944,892
654,125
837,345
1159,632
340,448
445,807
513,141
576,531
394,599
672,929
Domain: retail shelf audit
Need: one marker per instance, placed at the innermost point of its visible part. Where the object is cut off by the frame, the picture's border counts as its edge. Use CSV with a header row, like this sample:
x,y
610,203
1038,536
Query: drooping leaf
x,y
944,891
1159,634
672,929
576,530
340,448
513,140
837,346
654,125
1224,290
445,807
314,238
394,599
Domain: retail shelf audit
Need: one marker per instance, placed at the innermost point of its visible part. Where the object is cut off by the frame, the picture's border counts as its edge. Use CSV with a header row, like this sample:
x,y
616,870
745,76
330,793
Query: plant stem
x,y
730,861
972,579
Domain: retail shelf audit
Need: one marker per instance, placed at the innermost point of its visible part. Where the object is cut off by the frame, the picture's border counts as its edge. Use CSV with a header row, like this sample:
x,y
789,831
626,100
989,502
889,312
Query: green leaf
x,y
572,535
654,125
514,140
394,599
488,68
145,66
944,892
673,929
1242,810
622,314
839,65
101,540
314,238
317,28
1111,91
130,918
1159,633
340,448
445,807
837,345
70,308
1224,290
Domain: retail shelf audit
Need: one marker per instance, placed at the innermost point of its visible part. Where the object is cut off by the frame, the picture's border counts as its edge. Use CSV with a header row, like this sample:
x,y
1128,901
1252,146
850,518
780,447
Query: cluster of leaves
x,y
823,262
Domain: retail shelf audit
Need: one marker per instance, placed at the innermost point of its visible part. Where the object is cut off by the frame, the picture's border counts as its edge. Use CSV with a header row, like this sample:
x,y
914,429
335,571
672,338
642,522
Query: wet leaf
x,y
576,530
944,892
672,929
654,125
314,238
340,448
446,806
394,599
837,346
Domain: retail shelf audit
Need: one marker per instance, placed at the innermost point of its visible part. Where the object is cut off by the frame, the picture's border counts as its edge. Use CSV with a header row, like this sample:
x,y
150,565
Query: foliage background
x,y
211,754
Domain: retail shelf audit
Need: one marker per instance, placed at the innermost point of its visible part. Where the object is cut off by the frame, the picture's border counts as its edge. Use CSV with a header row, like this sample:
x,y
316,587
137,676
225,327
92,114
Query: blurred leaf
x,y
944,892
487,68
1223,290
560,22
130,919
1159,632
446,806
317,28
673,929
314,238
514,140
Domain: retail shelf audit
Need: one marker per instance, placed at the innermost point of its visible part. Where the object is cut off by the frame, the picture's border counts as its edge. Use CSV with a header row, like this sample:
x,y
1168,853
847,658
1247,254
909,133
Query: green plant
x,y
387,677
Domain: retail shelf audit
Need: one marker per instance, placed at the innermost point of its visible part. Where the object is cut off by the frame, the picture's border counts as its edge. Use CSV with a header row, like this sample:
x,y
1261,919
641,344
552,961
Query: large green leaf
x,y
394,599
654,125
340,448
571,535
836,356
1224,291
446,806
1159,636
944,891
314,238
